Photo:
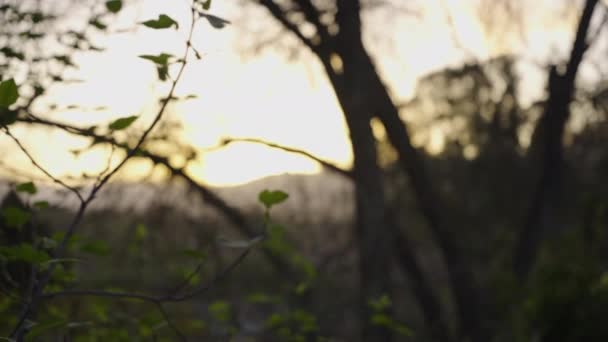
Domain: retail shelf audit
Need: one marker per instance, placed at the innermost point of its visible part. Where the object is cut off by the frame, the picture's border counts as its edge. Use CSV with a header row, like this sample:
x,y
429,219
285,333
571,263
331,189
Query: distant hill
x,y
322,196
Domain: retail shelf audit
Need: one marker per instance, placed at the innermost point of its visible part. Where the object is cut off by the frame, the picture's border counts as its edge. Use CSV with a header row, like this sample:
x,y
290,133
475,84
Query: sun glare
x,y
266,97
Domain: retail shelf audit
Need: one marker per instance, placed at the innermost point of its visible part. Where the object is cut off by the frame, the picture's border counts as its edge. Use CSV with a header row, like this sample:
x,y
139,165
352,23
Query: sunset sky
x,y
264,95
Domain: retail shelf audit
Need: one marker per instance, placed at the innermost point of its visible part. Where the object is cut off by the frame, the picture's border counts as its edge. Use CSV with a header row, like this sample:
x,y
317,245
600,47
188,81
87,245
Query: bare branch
x,y
324,163
39,167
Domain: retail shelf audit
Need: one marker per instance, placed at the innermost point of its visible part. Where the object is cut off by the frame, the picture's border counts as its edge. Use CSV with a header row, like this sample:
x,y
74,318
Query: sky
x,y
262,95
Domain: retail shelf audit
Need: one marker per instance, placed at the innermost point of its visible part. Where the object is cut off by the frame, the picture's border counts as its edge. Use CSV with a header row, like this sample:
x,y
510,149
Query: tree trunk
x,y
372,231
547,149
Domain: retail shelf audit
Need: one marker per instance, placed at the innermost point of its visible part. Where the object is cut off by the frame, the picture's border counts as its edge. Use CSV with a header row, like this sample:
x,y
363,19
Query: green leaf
x,y
220,310
15,217
215,21
384,320
164,21
24,252
98,24
41,204
28,187
8,93
270,198
207,5
162,72
162,59
381,303
239,243
114,6
122,123
141,232
96,247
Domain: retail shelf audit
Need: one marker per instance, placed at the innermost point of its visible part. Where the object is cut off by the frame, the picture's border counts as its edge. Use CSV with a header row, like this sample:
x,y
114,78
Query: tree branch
x,y
278,13
324,163
547,141
39,167
233,215
19,331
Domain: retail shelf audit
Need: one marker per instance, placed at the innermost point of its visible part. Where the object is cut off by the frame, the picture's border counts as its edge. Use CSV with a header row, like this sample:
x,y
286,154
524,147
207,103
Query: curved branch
x,y
324,163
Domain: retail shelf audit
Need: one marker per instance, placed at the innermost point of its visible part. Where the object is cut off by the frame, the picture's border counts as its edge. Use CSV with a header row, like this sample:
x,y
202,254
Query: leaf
x,y
24,252
162,59
164,21
122,123
96,247
162,72
380,304
114,6
207,5
239,243
270,198
15,217
8,93
7,117
28,187
141,232
220,310
215,21
41,204
98,24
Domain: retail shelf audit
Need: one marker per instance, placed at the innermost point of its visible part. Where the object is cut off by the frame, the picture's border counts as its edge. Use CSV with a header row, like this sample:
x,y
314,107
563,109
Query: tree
x,y
362,95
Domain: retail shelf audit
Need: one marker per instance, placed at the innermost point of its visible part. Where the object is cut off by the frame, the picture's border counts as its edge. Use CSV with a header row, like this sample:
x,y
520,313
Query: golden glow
x,y
266,97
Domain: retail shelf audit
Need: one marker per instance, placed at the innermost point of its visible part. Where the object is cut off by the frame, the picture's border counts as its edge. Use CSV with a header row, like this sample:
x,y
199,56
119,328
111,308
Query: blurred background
x,y
443,162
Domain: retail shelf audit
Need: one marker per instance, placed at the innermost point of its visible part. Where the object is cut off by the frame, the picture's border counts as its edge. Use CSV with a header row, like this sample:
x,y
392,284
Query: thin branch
x,y
312,14
324,163
233,215
18,330
204,288
158,301
40,167
276,11
172,325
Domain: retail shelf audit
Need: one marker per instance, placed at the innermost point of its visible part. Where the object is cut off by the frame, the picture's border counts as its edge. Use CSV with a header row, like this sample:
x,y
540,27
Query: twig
x,y
27,311
158,301
39,167
324,163
233,215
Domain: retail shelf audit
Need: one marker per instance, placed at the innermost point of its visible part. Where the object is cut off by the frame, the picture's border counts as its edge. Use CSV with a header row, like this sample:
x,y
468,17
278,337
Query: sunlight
x,y
266,97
